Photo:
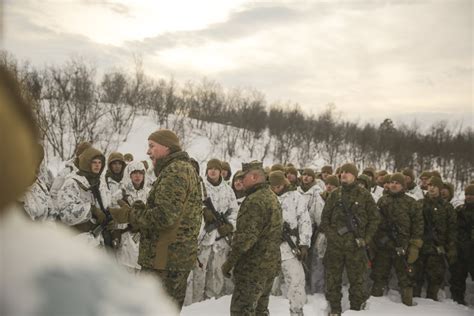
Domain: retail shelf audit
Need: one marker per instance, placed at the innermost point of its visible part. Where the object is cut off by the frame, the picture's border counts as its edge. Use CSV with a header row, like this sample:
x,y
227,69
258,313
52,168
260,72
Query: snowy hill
x,y
204,141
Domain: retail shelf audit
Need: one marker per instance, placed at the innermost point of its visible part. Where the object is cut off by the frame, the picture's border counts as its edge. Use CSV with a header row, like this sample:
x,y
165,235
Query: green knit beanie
x,y
277,166
327,169
214,164
166,138
291,170
333,180
469,190
398,177
309,172
425,174
350,168
278,178
437,182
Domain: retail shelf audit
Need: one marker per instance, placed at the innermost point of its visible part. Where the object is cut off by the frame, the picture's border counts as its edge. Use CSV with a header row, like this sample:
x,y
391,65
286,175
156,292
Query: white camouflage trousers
x,y
293,285
209,281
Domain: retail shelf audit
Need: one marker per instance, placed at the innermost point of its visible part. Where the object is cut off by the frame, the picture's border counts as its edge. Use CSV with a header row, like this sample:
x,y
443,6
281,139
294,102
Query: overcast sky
x,y
373,59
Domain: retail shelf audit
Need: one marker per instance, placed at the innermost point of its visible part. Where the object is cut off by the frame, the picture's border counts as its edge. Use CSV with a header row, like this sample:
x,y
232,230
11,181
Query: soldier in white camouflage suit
x,y
298,226
77,205
37,201
134,188
208,280
71,166
375,190
314,204
114,175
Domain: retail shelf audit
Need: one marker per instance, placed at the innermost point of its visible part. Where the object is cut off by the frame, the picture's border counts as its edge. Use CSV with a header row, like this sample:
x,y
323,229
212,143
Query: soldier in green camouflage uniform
x,y
439,240
347,248
465,245
169,222
400,232
255,254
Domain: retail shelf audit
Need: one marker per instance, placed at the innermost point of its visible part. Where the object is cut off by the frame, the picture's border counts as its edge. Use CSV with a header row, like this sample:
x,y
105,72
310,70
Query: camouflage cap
x,y
398,177
469,190
333,180
436,181
278,178
238,175
425,174
214,164
253,165
327,169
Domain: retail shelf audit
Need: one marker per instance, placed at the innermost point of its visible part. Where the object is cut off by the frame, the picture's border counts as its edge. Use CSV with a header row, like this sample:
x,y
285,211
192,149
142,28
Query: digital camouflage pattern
x,y
255,253
465,249
342,251
169,223
439,215
401,215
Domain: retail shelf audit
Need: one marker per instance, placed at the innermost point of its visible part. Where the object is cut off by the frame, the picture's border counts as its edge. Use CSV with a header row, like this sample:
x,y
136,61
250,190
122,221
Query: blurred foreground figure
x,y
44,271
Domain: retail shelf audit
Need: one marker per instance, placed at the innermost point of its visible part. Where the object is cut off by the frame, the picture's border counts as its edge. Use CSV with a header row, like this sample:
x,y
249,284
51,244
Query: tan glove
x,y
97,214
121,214
226,267
303,253
225,229
209,217
414,250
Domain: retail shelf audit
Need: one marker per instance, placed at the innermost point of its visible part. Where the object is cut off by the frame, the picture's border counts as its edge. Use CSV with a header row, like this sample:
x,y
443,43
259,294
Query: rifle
x,y
221,219
352,225
286,234
107,235
393,234
430,233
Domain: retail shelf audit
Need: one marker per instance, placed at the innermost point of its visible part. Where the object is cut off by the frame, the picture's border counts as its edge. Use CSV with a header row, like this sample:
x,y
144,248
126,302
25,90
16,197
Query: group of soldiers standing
x,y
278,229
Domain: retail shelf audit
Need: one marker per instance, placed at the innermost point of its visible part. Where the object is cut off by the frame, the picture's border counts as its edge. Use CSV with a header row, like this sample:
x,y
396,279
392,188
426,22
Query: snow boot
x,y
432,292
407,296
377,291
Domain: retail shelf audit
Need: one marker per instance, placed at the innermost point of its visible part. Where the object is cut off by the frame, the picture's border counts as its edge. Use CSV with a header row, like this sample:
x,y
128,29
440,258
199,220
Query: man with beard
x,y
169,222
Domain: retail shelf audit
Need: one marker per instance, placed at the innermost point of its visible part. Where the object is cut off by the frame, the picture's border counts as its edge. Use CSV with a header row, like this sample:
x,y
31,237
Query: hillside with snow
x,y
204,141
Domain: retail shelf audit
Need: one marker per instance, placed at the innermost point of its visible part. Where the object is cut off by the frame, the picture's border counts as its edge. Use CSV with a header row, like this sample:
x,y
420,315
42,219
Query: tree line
x,y
72,103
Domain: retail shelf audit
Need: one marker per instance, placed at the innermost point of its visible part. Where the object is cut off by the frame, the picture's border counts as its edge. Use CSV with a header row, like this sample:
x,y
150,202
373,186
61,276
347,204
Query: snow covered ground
x,y
389,305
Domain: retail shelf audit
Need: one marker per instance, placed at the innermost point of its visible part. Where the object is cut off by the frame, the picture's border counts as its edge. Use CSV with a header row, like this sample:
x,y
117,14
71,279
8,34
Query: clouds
x,y
370,58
